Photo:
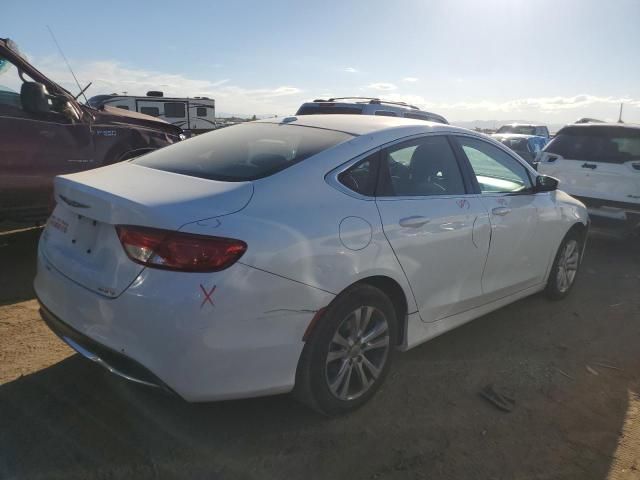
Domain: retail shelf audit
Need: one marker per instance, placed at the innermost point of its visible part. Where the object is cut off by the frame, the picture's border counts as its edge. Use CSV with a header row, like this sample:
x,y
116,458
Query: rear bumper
x,y
617,214
162,331
114,362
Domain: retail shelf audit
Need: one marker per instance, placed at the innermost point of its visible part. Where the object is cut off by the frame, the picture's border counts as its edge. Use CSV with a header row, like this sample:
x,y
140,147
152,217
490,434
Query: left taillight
x,y
171,250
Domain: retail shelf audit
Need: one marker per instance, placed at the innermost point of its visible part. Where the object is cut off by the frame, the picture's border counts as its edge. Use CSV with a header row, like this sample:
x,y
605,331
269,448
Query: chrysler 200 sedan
x,y
298,254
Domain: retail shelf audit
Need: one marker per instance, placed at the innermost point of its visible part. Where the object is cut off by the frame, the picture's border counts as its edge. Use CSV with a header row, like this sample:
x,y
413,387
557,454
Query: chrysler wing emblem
x,y
73,203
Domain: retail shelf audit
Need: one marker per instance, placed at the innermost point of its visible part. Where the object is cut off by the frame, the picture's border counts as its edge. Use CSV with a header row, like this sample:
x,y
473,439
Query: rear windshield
x,y
328,109
521,129
597,144
516,143
243,152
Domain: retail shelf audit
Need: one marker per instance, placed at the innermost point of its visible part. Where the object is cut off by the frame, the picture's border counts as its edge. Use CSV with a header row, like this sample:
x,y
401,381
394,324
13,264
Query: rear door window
x,y
243,152
422,167
597,144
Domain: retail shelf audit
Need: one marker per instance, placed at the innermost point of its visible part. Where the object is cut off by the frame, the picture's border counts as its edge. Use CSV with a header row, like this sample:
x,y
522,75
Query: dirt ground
x,y
573,368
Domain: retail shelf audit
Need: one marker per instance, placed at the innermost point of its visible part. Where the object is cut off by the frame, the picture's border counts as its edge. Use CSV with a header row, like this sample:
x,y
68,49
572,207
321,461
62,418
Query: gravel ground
x,y
572,366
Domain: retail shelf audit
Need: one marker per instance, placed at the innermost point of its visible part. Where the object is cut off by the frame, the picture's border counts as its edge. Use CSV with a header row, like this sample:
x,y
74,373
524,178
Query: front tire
x,y
565,266
348,354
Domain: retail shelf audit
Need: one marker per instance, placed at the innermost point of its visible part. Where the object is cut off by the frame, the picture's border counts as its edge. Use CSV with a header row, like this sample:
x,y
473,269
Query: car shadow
x,y
74,420
18,256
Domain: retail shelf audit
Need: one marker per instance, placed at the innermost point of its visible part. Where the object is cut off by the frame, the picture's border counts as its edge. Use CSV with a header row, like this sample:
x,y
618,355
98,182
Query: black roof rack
x,y
372,100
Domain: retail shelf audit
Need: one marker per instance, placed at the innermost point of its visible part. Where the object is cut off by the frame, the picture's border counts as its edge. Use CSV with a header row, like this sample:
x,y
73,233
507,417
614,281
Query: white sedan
x,y
298,255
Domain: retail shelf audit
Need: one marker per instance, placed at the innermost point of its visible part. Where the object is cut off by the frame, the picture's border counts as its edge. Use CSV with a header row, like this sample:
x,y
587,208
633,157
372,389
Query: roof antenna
x,y
620,116
82,90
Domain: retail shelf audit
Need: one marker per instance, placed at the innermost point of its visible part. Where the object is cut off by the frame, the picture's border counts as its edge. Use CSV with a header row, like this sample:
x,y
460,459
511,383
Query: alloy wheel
x,y
357,353
568,266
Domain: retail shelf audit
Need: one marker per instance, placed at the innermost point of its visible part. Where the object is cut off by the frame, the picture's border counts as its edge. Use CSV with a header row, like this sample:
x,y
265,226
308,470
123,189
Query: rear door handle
x,y
592,166
413,222
501,211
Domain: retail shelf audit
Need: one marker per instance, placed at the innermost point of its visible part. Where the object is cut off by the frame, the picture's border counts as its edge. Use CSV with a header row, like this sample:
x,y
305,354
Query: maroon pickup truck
x,y
45,131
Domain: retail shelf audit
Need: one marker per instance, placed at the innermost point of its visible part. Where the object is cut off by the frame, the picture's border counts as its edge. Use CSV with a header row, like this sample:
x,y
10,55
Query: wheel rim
x,y
568,265
357,353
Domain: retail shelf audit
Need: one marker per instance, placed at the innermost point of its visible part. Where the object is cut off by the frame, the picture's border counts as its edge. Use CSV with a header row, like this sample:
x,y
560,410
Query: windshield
x,y
521,129
598,144
243,152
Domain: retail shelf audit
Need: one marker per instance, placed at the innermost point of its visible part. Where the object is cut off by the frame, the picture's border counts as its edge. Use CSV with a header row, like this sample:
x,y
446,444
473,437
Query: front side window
x,y
495,170
174,110
421,167
243,152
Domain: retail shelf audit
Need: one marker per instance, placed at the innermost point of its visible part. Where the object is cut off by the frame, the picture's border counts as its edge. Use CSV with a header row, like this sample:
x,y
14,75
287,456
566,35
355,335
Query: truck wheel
x,y
349,352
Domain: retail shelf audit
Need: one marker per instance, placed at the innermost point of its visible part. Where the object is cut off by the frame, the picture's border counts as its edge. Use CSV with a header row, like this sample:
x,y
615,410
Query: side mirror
x,y
546,184
34,97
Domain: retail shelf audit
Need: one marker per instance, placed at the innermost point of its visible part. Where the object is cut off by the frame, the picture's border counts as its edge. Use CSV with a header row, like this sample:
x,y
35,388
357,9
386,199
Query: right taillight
x,y
171,250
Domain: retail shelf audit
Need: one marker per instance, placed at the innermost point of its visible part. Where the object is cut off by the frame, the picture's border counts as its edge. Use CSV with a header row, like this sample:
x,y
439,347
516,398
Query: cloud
x,y
383,87
410,79
542,104
110,76
351,70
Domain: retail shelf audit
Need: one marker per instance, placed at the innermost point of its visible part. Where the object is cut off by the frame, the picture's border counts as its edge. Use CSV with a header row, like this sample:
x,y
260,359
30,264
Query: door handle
x,y
502,211
592,166
413,222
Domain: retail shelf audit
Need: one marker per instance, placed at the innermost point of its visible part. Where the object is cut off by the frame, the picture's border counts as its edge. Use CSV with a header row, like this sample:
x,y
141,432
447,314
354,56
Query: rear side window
x,y
329,109
361,178
243,152
201,111
597,144
385,113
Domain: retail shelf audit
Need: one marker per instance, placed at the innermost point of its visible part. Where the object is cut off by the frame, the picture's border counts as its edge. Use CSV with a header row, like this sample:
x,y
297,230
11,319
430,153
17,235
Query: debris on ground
x,y
591,370
498,399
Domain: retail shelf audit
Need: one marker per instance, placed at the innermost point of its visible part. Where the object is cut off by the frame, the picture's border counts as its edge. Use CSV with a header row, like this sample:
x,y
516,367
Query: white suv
x,y
368,106
600,165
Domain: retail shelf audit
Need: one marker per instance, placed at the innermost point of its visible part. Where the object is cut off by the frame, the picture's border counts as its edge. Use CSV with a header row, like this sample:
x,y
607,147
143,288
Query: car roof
x,y
596,125
514,135
522,125
365,124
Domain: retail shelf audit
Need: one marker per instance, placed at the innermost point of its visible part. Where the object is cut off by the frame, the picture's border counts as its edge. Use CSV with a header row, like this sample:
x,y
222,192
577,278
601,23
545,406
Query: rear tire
x,y
565,266
348,354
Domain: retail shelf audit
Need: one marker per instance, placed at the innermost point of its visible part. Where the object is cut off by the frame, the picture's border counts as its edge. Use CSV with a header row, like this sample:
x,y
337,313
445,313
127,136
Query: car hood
x,y
106,114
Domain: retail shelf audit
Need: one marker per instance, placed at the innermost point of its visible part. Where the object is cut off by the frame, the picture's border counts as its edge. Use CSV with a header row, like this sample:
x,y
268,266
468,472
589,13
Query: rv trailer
x,y
193,114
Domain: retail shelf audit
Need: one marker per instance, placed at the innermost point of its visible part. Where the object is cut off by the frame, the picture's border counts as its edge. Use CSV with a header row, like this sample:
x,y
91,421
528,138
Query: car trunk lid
x,y
80,239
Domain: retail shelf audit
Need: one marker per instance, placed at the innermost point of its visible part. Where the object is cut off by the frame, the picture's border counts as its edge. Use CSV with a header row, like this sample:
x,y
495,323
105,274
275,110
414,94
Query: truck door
x,y
34,148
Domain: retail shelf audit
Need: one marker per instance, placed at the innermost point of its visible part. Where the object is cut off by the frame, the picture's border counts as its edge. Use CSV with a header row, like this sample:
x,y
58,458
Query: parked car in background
x,y
527,146
45,131
199,268
599,164
194,115
525,129
367,106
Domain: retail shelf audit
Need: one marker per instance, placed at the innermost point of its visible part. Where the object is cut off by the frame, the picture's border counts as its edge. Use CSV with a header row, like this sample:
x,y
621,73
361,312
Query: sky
x,y
549,61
